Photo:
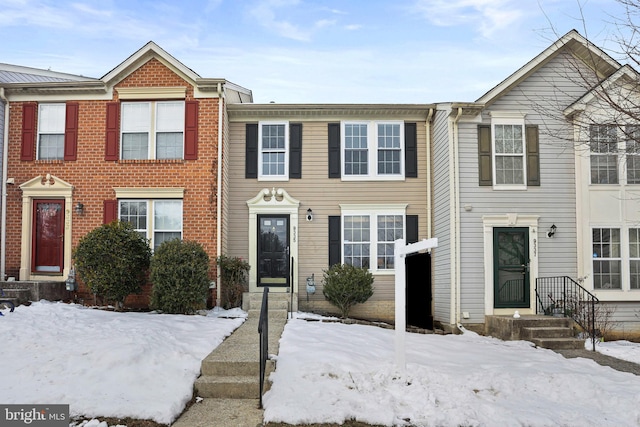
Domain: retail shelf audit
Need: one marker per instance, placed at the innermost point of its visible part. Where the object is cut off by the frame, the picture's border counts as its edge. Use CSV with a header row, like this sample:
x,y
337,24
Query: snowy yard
x,y
143,365
101,363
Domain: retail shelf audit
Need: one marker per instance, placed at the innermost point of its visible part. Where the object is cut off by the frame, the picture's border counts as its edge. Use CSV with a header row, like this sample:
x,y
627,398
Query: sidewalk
x,y
243,345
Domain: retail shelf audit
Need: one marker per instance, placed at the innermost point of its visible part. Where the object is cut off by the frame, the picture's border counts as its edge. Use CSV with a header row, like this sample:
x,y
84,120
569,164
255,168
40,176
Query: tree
x,y
113,261
345,286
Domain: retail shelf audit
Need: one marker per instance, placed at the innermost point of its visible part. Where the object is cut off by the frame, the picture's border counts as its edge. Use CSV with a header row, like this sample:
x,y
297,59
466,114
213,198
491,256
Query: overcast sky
x,y
308,51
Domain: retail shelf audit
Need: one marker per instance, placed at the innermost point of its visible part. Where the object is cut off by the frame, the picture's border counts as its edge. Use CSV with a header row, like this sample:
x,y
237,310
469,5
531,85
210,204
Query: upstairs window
x,y
373,150
51,129
152,130
632,149
509,154
603,141
274,146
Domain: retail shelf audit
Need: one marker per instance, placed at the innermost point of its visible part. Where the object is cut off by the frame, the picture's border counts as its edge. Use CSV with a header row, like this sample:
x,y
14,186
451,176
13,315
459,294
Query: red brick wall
x,y
93,178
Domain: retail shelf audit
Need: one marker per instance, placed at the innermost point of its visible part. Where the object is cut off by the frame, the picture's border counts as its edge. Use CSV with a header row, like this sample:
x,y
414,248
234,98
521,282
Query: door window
x,y
273,250
511,267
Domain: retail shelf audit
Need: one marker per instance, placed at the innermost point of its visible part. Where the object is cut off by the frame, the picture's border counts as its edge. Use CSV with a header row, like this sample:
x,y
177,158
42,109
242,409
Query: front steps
x,y
555,333
232,370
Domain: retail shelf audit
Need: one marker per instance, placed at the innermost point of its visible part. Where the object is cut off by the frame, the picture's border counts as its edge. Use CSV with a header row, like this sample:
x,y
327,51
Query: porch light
x,y
309,215
552,231
79,208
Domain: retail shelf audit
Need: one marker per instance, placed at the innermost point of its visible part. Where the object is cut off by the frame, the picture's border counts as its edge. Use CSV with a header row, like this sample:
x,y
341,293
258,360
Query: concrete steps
x,y
555,333
232,370
16,296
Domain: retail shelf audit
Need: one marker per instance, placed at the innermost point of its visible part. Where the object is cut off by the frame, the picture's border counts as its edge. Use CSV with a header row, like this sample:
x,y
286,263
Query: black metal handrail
x,y
563,296
263,330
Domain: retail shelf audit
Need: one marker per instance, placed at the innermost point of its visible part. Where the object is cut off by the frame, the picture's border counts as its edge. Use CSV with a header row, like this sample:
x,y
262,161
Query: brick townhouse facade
x,y
140,144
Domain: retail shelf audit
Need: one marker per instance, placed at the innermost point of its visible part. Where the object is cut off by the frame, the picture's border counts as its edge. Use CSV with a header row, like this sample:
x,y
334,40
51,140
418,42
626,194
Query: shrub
x,y
345,286
113,260
234,274
180,277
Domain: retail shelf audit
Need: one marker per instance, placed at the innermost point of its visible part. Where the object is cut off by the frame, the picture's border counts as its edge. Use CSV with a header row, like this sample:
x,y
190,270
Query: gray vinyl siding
x,y
224,164
542,96
324,196
441,218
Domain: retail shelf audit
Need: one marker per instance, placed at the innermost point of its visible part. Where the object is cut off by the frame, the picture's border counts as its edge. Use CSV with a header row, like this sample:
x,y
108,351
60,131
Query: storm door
x,y
511,267
273,250
48,236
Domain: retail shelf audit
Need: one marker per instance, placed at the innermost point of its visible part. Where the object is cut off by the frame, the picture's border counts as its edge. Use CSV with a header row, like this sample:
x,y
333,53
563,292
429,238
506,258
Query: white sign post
x,y
400,251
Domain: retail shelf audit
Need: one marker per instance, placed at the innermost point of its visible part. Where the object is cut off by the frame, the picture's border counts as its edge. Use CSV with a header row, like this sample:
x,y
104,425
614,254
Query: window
x,y
51,121
368,238
632,150
606,258
604,154
273,147
152,130
634,258
373,150
156,220
509,154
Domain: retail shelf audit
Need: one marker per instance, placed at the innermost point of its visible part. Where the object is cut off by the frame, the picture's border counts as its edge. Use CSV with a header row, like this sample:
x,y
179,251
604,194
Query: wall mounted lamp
x,y
552,231
79,208
309,215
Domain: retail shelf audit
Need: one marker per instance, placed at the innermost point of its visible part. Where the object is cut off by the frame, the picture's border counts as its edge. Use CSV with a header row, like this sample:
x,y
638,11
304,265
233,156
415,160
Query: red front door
x,y
48,236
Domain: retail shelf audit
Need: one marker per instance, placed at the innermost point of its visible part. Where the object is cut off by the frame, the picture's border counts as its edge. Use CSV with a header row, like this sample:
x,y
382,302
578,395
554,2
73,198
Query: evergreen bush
x,y
345,286
234,274
113,260
180,277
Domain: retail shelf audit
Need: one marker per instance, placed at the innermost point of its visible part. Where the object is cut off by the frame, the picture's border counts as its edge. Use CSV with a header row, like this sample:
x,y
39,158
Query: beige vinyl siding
x,y
324,196
542,96
441,219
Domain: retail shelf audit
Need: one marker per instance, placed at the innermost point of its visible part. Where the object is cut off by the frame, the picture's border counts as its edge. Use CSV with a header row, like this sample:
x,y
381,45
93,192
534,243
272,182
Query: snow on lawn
x,y
331,372
625,350
102,363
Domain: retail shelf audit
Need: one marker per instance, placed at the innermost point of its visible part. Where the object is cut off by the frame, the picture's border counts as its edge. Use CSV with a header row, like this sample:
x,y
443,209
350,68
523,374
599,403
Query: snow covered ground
x,y
331,372
101,363
143,365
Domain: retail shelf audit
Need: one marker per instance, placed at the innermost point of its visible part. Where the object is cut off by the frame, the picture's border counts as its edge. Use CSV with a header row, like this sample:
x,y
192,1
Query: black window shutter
x,y
251,151
410,150
412,228
295,150
335,240
533,155
334,150
485,173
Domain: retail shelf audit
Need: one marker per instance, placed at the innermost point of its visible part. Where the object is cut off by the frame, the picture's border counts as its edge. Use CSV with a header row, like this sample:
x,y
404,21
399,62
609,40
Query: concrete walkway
x,y
242,345
603,359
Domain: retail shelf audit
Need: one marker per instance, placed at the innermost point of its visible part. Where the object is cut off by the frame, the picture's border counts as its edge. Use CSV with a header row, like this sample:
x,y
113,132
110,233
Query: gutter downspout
x,y
427,126
3,215
456,213
219,195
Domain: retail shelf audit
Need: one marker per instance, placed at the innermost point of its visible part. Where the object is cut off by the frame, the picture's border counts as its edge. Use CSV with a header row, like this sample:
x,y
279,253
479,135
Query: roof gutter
x,y
3,214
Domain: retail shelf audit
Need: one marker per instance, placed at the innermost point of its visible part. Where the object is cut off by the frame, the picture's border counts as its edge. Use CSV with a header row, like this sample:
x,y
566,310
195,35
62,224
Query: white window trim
x,y
64,117
507,118
285,176
621,170
151,217
152,127
372,211
372,151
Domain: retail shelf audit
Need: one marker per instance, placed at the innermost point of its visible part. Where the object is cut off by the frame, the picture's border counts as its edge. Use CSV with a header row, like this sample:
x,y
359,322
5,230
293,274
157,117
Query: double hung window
x,y
603,141
606,258
274,147
155,220
152,130
51,128
368,237
373,150
509,154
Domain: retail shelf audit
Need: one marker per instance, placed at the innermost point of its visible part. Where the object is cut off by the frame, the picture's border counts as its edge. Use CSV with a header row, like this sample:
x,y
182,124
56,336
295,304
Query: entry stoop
x,y
555,333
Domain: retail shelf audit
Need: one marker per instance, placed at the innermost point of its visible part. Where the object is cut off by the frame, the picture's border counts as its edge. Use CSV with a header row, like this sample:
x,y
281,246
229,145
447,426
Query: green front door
x,y
511,268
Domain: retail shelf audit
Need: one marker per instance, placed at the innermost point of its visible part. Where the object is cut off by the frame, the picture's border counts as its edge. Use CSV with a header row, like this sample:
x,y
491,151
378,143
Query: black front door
x,y
511,267
273,250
